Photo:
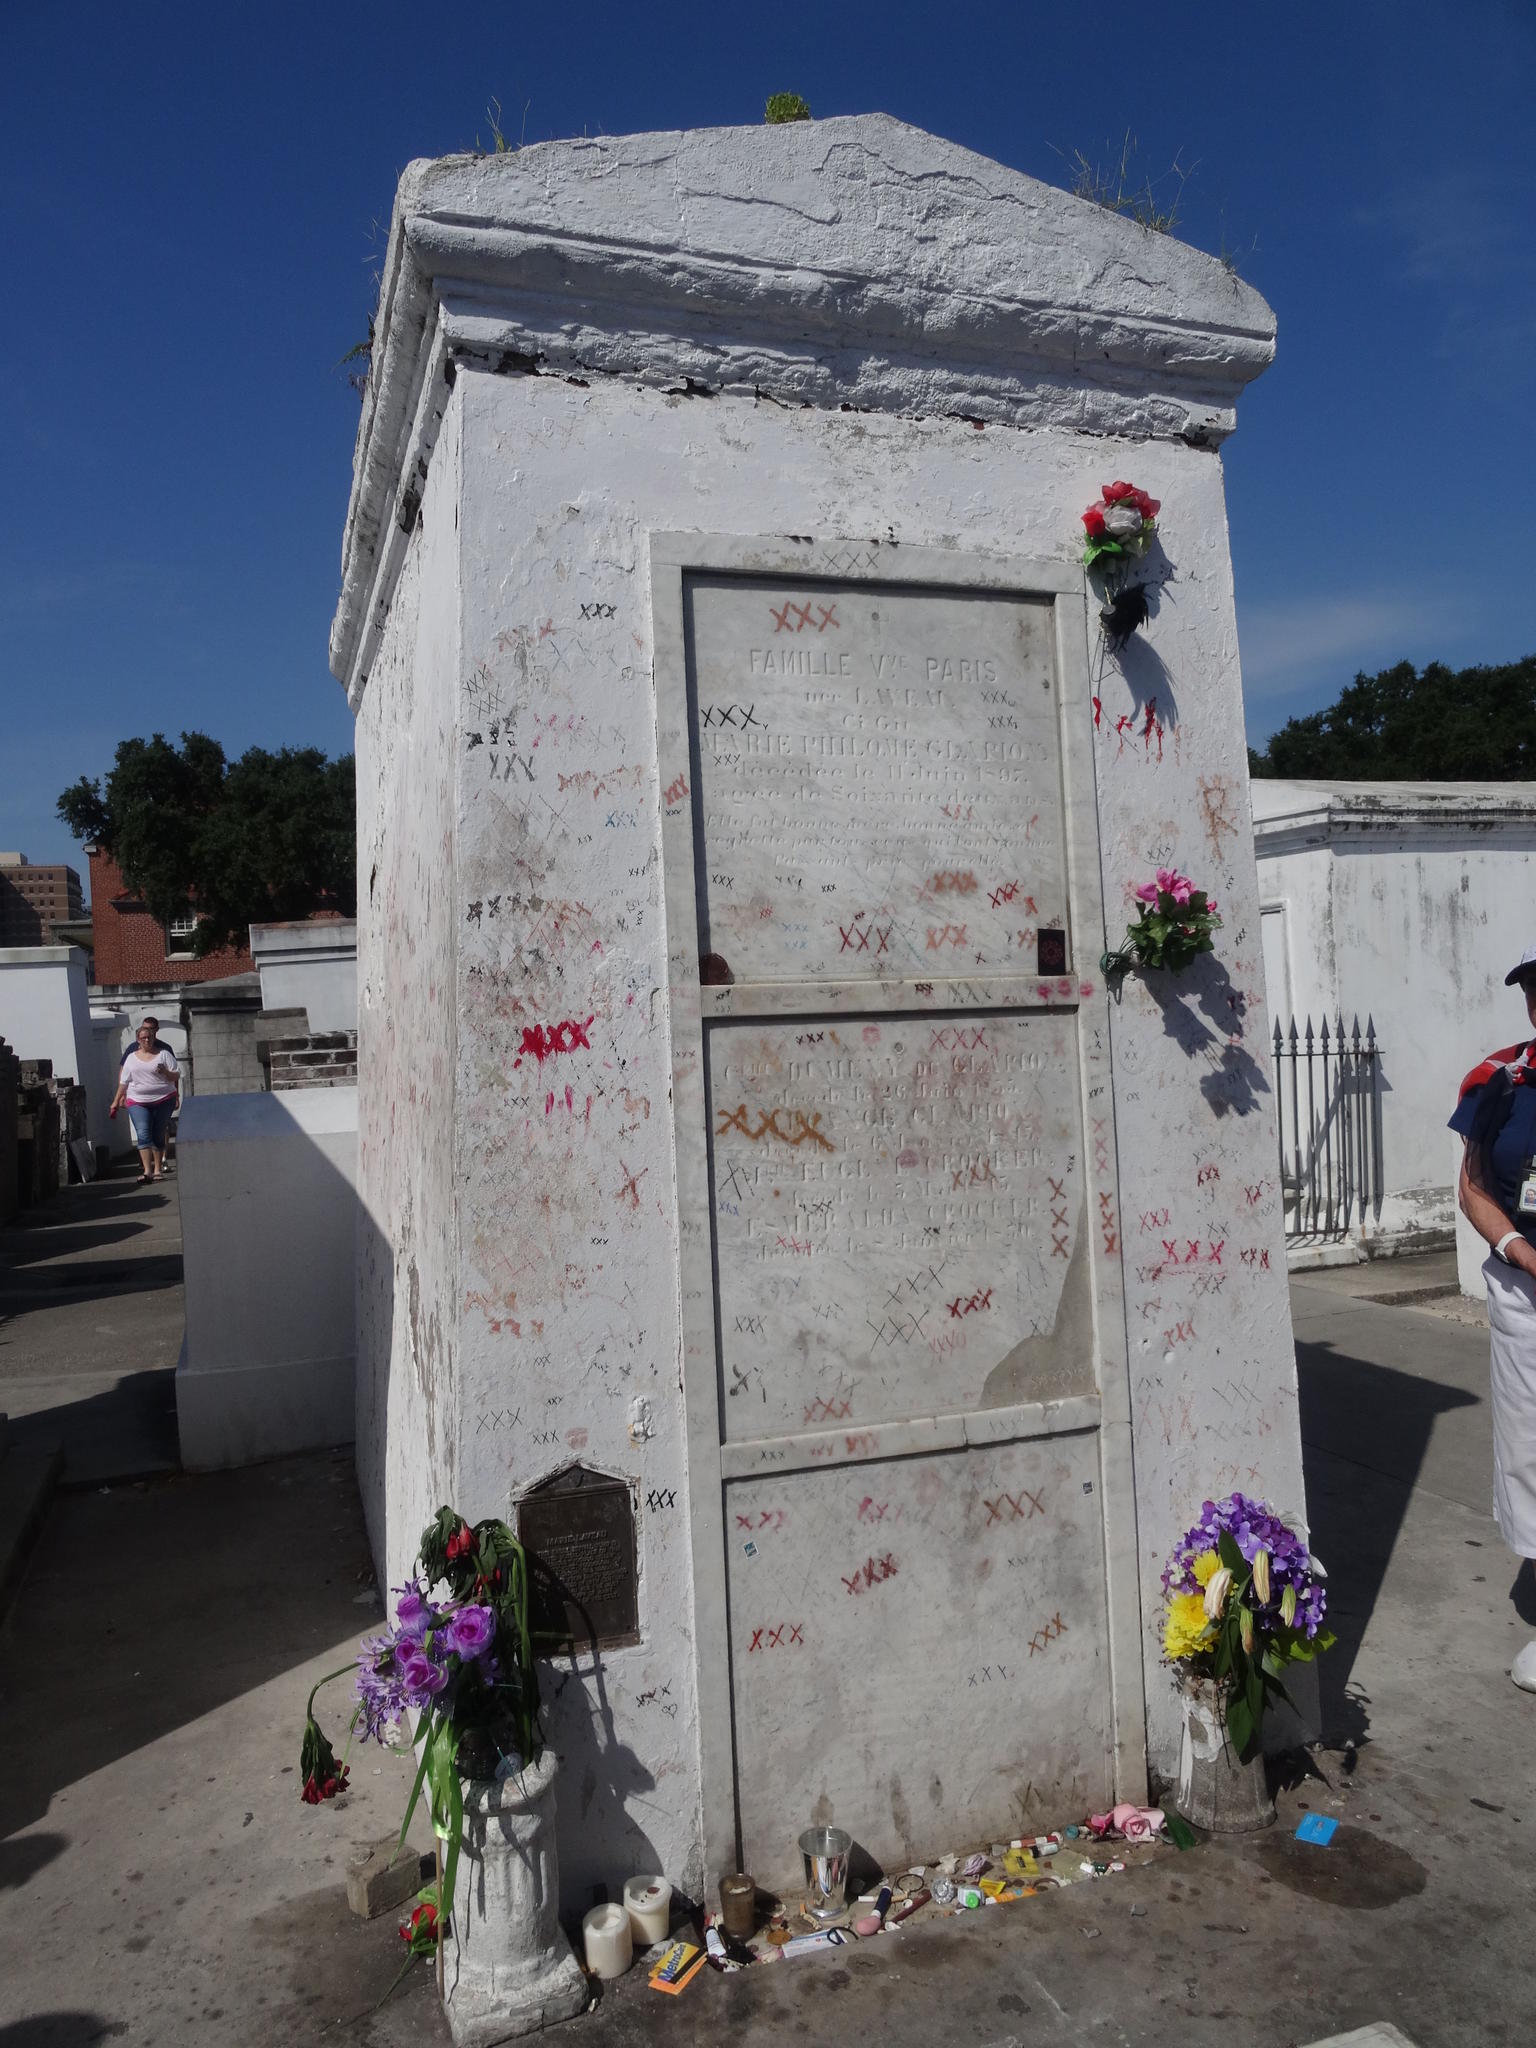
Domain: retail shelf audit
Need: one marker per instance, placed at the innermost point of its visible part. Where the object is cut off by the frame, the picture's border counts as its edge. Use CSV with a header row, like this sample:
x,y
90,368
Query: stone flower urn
x,y
507,1967
1216,1791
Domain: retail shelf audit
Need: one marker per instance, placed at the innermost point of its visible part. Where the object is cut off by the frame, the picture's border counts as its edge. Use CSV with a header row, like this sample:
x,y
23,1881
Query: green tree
x,y
1404,724
267,837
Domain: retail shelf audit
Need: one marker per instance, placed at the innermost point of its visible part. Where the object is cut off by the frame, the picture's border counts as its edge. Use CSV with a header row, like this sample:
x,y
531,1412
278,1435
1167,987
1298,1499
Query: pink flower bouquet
x,y
1172,927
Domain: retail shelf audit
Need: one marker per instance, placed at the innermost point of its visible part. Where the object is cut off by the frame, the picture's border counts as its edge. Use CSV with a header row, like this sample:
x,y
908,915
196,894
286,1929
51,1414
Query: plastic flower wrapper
x,y
1171,929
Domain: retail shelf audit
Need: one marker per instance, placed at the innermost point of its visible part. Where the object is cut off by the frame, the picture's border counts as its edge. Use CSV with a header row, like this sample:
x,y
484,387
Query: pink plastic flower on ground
x,y
1147,893
1178,886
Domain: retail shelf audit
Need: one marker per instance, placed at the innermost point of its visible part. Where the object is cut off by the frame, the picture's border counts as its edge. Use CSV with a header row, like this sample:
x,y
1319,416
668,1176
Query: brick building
x,y
133,948
35,899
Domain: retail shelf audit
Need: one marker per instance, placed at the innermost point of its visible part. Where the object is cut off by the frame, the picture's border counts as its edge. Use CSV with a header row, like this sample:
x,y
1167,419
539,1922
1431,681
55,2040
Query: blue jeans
x,y
150,1123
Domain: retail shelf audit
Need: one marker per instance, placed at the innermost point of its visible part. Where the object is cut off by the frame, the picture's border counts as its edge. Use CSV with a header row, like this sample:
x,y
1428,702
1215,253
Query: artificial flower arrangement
x,y
1245,1598
1120,525
464,1666
1172,927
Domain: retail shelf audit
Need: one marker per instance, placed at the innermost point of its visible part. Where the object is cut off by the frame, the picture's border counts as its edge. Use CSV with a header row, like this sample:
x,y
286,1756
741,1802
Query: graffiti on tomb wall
x,y
897,1209
876,773
557,994
539,969
1005,1542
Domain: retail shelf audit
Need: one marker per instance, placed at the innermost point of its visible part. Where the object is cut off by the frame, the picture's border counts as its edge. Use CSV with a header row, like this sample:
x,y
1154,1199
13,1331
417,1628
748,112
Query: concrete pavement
x,y
90,1326
172,1888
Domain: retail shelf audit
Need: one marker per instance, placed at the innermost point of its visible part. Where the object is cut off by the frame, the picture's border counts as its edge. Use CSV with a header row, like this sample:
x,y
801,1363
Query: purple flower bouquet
x,y
461,1664
1244,1599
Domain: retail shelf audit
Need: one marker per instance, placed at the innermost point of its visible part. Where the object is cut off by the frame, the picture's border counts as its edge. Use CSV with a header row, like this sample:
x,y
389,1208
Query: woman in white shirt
x,y
149,1081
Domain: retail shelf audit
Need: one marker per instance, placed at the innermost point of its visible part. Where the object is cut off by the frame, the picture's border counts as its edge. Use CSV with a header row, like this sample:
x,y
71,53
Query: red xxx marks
x,y
544,1040
873,1572
782,1635
1010,1507
800,618
971,1305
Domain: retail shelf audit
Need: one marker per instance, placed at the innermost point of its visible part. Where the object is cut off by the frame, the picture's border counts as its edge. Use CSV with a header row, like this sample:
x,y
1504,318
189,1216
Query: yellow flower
x,y
1187,1629
1204,1566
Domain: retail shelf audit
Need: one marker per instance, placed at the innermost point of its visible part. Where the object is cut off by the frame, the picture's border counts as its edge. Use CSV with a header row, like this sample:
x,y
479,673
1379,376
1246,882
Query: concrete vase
x,y
1216,1791
509,1969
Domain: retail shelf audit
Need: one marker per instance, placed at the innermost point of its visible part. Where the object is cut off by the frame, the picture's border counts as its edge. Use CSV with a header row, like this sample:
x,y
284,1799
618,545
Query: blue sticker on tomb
x,y
1316,1829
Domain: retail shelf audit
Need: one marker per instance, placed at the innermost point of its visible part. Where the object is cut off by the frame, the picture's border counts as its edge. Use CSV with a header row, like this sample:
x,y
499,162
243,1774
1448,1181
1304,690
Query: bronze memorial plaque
x,y
579,1531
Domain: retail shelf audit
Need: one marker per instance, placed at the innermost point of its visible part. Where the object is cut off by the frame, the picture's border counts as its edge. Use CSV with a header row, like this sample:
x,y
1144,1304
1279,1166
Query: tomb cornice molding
x,y
1360,820
851,263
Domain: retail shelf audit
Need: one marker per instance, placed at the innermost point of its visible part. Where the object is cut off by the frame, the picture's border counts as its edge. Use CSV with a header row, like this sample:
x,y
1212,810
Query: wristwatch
x,y
1508,1238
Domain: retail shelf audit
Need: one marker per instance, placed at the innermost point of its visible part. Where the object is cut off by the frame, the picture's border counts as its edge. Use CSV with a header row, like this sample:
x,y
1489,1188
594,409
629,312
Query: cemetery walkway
x,y
170,1886
90,1326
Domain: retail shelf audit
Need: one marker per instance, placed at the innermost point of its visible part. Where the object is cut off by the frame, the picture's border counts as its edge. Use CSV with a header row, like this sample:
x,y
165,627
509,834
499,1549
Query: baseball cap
x,y
1525,965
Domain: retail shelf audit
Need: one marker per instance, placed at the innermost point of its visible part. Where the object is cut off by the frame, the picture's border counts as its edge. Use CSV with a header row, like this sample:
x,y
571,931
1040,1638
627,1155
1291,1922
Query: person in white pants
x,y
1496,1116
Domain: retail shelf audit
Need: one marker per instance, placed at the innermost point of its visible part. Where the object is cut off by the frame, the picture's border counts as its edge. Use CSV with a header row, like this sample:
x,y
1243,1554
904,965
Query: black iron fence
x,y
1327,1090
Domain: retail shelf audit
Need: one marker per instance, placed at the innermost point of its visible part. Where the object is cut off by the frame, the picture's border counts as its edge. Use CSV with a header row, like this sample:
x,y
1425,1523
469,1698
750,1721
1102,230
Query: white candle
x,y
648,1902
606,1941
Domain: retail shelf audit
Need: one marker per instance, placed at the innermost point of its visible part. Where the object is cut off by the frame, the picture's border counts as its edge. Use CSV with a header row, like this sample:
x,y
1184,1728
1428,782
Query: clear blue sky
x,y
195,207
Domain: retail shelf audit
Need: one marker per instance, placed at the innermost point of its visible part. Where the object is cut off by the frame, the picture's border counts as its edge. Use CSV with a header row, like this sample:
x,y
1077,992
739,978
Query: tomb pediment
x,y
855,262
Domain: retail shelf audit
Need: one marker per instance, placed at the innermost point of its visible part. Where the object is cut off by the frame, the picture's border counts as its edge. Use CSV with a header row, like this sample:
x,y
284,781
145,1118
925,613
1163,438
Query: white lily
x,y
1261,1577
1288,1606
1216,1594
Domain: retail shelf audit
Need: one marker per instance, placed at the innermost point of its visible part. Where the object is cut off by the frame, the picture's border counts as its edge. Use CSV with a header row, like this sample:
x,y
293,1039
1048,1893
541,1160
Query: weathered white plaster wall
x,y
311,966
408,1308
268,1223
1408,904
44,1009
538,883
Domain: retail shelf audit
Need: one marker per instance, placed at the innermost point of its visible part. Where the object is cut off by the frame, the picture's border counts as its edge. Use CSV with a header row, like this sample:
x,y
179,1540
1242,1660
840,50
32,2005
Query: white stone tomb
x,y
746,796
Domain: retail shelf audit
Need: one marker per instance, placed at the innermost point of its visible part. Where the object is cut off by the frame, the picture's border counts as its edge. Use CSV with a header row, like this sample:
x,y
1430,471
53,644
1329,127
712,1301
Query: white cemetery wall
x,y
570,1347
309,965
44,1009
408,1306
268,1219
1403,904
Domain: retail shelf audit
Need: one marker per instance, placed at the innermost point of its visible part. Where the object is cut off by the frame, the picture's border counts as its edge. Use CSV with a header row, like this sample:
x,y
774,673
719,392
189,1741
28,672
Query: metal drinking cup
x,y
826,1853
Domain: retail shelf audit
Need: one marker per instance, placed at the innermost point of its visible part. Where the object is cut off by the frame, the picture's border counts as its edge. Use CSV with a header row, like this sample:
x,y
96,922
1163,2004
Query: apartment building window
x,y
178,938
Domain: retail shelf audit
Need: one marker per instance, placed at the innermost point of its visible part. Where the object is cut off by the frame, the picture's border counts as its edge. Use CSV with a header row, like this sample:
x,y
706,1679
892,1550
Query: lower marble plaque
x,y
899,1218
579,1531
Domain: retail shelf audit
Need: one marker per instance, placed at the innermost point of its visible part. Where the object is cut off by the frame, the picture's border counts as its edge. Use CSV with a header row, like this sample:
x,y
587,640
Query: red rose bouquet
x,y
1119,529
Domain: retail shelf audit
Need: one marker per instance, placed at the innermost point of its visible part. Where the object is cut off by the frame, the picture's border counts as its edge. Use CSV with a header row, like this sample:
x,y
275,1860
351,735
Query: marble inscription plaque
x,y
580,1536
879,781
898,1217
